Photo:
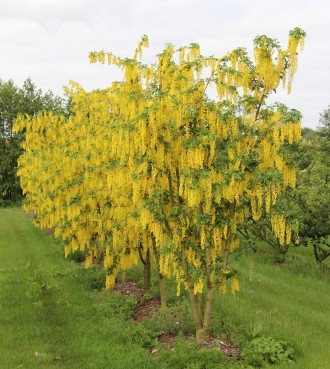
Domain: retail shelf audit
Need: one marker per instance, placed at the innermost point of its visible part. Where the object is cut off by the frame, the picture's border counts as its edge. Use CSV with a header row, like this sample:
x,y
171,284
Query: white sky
x,y
49,40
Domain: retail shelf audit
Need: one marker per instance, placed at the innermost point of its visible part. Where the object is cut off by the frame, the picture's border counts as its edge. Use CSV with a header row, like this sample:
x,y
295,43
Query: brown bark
x,y
208,310
146,268
162,290
123,275
147,272
161,278
196,310
209,295
198,320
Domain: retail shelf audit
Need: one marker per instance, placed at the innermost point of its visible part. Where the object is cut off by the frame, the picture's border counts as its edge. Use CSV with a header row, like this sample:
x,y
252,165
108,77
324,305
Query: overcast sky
x,y
49,40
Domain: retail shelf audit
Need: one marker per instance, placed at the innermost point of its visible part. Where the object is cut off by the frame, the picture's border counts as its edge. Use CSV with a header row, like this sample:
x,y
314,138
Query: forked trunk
x,y
196,303
207,314
202,317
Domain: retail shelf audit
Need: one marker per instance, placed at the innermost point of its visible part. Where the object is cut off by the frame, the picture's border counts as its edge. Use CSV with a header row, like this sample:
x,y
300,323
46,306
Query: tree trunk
x,y
147,273
202,318
208,313
196,310
202,335
162,290
196,303
123,275
146,268
161,278
200,306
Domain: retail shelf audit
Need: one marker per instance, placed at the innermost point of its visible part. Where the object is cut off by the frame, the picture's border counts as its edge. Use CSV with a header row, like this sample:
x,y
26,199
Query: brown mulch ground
x,y
228,349
168,340
145,309
129,288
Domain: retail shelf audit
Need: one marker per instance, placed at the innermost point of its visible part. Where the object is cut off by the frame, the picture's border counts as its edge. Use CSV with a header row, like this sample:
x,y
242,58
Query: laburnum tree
x,y
14,100
64,174
171,161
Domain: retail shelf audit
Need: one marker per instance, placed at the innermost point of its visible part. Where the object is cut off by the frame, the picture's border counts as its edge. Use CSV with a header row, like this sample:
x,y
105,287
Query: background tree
x,y
313,188
14,101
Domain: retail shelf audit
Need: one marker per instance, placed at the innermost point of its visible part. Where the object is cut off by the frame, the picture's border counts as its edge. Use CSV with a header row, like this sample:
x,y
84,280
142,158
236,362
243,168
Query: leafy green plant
x,y
92,278
265,350
37,287
174,319
77,256
254,330
110,304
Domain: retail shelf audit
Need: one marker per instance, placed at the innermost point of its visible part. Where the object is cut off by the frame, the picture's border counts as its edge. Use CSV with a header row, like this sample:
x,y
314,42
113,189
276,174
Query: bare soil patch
x,y
168,340
129,288
228,349
146,308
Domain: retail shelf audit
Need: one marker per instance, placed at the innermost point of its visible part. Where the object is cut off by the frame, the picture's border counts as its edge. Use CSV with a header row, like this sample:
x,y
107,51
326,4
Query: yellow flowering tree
x,y
54,177
199,166
171,160
65,171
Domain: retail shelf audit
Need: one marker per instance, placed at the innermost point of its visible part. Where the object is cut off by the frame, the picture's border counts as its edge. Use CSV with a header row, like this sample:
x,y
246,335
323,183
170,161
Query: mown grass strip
x,y
47,319
279,303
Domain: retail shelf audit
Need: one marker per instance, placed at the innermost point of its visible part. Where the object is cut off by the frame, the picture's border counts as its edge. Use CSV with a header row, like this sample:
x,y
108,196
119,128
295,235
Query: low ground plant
x,y
265,350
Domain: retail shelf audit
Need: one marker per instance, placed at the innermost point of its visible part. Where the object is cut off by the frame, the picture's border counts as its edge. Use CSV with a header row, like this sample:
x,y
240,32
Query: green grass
x,y
54,315
287,301
47,318
276,303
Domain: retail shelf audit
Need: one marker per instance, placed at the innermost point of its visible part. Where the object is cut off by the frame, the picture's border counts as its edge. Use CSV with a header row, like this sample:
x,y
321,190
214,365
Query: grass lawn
x,y
47,318
285,302
53,315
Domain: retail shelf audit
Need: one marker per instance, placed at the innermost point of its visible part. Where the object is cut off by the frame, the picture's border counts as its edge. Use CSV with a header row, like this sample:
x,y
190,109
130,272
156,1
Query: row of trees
x,y
153,168
14,101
